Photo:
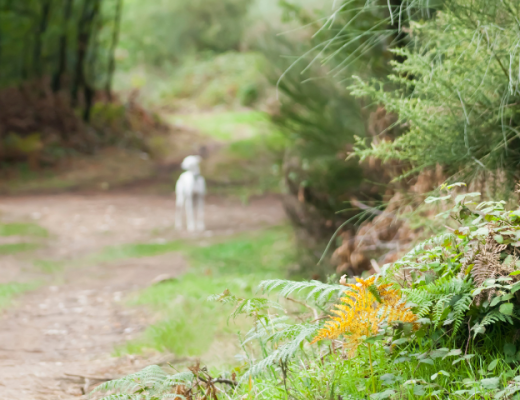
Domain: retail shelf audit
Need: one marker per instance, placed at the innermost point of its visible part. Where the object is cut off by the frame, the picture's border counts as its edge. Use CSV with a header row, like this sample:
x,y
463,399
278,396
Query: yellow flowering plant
x,y
363,312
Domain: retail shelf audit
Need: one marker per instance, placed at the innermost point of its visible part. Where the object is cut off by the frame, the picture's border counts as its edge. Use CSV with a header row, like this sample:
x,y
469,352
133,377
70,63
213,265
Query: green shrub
x,y
229,79
171,30
454,92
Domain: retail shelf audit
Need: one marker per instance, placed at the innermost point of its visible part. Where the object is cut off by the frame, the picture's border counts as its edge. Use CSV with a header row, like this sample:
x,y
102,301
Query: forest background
x,y
355,111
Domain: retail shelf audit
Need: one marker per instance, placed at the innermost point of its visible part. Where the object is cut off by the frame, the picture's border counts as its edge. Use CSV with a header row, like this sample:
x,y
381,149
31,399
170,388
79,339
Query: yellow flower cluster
x,y
364,308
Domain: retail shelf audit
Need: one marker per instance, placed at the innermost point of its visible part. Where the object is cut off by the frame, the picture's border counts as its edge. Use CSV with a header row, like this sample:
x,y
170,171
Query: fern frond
x,y
182,378
148,377
253,306
286,351
319,291
459,309
421,247
265,332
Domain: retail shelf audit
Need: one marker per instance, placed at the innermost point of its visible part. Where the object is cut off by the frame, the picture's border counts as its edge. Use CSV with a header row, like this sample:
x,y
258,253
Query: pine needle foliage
x,y
455,90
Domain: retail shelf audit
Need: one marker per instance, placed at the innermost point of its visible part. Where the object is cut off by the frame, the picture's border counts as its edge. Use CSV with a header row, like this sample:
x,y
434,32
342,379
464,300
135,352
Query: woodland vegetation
x,y
398,150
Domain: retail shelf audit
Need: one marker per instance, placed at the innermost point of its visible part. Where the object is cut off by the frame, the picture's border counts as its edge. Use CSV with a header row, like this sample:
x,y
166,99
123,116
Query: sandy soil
x,y
57,341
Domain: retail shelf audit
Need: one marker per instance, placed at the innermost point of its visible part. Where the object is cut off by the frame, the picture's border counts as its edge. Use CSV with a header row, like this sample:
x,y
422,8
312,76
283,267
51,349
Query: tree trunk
x,y
62,55
42,27
115,40
84,36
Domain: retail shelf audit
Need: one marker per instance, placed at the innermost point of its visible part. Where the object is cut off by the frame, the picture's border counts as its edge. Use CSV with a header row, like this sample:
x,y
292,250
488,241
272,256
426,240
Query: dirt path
x,y
71,328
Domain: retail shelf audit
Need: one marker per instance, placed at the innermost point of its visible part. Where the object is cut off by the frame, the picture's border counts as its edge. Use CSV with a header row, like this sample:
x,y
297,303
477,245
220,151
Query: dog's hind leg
x,y
179,209
190,220
200,212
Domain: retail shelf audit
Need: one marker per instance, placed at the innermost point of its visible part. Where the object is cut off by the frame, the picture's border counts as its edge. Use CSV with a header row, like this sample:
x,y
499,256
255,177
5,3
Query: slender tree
x,y
40,32
115,40
63,47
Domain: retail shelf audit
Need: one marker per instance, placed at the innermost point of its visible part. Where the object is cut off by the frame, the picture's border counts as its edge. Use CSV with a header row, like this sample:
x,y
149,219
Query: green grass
x,y
22,229
138,250
333,376
227,126
9,290
189,325
13,248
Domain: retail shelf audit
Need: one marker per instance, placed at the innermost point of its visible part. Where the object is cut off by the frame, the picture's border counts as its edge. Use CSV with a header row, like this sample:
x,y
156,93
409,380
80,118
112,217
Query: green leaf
x,y
506,308
484,231
387,377
455,352
382,395
490,383
433,199
438,353
498,238
373,339
441,372
492,365
509,349
427,361
514,273
496,300
461,197
456,184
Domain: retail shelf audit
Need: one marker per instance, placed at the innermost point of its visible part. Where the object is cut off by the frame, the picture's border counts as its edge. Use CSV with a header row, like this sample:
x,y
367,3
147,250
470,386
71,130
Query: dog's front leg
x,y
190,220
179,209
200,213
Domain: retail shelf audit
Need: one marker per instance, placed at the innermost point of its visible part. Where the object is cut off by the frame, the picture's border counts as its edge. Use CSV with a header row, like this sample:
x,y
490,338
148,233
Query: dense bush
x,y
455,91
169,31
321,119
229,80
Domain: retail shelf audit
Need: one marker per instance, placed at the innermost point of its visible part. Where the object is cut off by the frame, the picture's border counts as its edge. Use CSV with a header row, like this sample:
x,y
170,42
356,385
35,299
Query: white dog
x,y
190,188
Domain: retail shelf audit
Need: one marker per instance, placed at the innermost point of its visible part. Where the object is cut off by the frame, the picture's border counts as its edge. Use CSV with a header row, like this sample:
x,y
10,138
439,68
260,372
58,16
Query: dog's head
x,y
191,163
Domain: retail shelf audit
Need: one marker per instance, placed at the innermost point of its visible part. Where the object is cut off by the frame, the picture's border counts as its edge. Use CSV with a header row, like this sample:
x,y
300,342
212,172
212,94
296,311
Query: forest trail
x,y
58,339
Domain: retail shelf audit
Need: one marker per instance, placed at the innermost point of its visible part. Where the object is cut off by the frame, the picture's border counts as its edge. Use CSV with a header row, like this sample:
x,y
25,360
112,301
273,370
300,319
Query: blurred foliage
x,y
58,61
320,118
171,30
67,43
456,93
230,79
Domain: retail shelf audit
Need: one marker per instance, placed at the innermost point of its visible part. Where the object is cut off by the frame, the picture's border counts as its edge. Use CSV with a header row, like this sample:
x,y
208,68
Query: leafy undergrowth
x,y
440,323
190,326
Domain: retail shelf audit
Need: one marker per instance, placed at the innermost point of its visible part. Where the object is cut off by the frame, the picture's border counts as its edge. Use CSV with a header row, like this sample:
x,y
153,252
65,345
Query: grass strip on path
x,y
9,290
22,229
188,324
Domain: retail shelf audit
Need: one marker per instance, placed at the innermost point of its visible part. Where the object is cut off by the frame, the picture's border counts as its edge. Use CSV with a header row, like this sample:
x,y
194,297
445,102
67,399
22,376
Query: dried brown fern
x,y
487,265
